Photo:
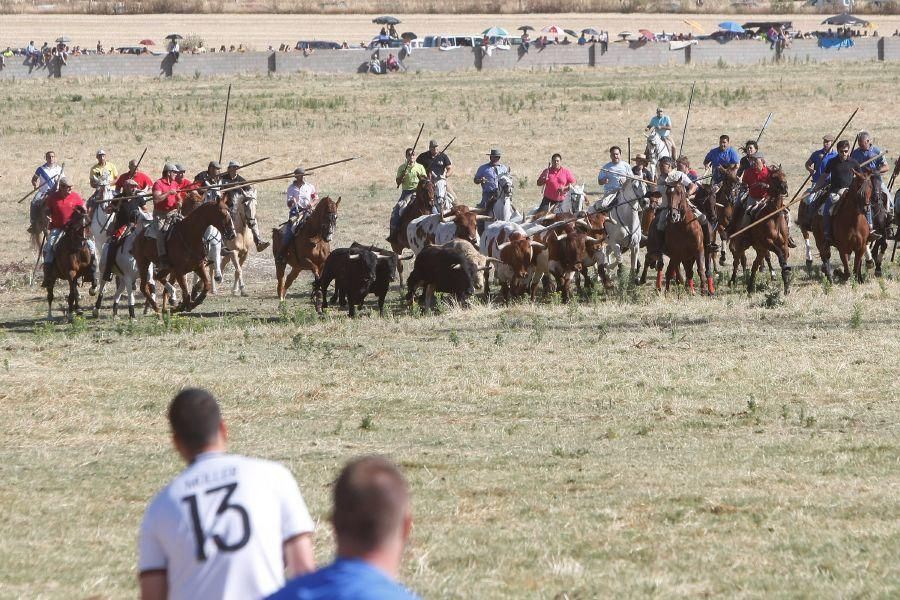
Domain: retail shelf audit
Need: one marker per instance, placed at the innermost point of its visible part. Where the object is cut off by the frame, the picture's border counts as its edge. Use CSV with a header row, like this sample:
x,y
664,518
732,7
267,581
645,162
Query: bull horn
x,y
491,259
561,237
588,238
487,268
447,219
483,217
449,213
477,211
537,245
611,220
407,257
456,267
338,203
354,256
503,245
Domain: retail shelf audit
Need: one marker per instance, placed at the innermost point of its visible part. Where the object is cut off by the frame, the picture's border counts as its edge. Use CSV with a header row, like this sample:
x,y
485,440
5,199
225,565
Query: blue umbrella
x,y
495,32
731,26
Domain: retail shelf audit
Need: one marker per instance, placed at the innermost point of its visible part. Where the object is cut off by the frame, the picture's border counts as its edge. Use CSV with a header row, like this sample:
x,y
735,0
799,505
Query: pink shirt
x,y
556,181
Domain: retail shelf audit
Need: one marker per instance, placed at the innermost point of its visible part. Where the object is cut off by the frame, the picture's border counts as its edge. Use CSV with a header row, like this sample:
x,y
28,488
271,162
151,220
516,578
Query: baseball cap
x,y
827,138
299,171
64,182
214,164
233,163
433,144
101,151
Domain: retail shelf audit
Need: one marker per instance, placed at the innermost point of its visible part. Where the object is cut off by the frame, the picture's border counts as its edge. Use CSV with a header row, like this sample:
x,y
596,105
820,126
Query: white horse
x,y
127,275
623,225
503,208
103,213
656,149
212,241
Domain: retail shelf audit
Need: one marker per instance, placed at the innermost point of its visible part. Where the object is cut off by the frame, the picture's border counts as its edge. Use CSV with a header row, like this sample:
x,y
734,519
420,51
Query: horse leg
x,y
73,297
845,261
204,291
50,298
785,269
279,278
706,273
99,298
808,249
757,263
670,272
857,265
689,274
769,264
291,276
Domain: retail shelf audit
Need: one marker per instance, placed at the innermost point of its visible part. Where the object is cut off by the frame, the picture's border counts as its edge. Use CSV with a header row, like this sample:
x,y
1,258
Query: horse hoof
x,y
95,313
93,290
870,264
877,271
244,294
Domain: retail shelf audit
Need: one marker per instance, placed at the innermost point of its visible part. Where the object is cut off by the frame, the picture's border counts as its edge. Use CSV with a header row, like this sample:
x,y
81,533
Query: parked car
x,y
451,41
317,45
131,49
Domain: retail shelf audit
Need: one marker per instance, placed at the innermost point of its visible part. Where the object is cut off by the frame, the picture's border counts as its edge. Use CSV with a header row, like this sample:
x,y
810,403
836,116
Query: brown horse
x,y
185,251
310,247
422,205
71,261
772,234
850,230
684,244
647,218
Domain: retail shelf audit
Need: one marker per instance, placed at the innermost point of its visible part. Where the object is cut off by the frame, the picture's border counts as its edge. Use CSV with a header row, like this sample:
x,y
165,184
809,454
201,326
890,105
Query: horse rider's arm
x,y
448,171
810,166
692,189
542,178
34,181
478,180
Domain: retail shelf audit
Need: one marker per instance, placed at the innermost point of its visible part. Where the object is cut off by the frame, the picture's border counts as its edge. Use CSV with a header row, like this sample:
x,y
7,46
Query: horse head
x,y
426,194
862,187
677,201
222,218
76,227
778,187
326,211
576,198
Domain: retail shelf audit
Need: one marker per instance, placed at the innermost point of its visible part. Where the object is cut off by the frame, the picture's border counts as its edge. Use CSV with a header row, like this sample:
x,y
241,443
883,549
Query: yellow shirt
x,y
107,172
411,180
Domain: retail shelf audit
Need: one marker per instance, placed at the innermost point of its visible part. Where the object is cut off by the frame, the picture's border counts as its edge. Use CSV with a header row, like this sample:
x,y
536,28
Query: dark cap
x,y
214,164
299,171
495,152
433,144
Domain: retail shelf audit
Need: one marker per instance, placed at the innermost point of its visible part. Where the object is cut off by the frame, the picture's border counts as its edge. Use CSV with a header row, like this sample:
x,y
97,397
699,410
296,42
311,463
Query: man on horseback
x,y
556,180
667,179
301,200
750,149
236,196
104,172
408,176
488,176
641,168
141,179
614,174
438,166
44,181
663,126
128,212
723,156
837,177
166,202
61,205
867,151
757,178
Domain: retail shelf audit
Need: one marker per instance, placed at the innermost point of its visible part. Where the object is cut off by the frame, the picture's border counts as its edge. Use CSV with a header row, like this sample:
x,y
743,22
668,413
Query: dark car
x,y
317,45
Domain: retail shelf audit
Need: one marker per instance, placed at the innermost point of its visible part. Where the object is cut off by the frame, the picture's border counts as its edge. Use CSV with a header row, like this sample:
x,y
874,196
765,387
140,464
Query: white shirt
x,y
45,174
612,173
303,197
243,509
663,183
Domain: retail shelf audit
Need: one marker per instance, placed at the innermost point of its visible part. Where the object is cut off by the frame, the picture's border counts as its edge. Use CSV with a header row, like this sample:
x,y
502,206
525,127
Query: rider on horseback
x,y
556,180
301,200
166,202
488,177
837,177
614,173
750,149
44,181
723,156
234,198
867,151
438,166
757,178
663,126
207,178
128,212
667,179
408,176
61,205
141,179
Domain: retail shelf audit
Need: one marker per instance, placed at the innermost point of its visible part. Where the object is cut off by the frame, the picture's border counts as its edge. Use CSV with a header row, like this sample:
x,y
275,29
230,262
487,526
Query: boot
x,y
708,237
95,271
260,245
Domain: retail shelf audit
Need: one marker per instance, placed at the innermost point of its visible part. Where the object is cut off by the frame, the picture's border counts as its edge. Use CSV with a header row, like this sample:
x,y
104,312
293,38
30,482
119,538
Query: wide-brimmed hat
x,y
495,152
299,171
234,163
640,156
432,144
214,164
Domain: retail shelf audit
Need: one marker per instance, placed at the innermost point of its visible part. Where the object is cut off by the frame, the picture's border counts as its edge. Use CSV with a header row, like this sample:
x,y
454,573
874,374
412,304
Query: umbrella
x,y
590,31
647,34
147,43
495,32
845,19
571,32
174,36
554,30
625,34
63,40
731,27
408,35
526,28
386,20
694,25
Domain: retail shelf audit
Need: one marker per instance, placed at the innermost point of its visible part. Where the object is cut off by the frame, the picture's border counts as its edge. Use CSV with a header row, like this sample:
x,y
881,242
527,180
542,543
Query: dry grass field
x,y
626,445
259,31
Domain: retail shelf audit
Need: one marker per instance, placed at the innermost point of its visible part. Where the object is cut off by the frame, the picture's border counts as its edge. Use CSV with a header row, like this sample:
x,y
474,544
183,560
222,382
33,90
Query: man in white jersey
x,y
44,181
227,526
301,200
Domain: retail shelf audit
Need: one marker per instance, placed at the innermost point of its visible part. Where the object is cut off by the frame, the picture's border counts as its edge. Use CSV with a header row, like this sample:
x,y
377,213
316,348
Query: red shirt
x,y
142,179
556,180
752,178
61,207
170,189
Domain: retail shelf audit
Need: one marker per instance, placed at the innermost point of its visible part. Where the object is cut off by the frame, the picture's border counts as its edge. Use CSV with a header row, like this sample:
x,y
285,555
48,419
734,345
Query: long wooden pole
x,y
136,166
687,116
766,124
799,189
225,124
416,143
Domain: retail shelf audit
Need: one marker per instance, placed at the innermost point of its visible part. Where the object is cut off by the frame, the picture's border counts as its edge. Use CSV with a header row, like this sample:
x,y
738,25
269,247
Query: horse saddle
x,y
835,202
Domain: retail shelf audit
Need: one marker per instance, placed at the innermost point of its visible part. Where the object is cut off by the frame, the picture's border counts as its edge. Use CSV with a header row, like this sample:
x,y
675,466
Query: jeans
x,y
402,203
37,206
50,245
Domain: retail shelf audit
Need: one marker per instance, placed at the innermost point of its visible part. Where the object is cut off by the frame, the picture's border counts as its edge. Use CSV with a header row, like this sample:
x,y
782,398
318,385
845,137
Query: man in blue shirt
x,y
817,159
723,156
487,176
663,126
372,523
866,150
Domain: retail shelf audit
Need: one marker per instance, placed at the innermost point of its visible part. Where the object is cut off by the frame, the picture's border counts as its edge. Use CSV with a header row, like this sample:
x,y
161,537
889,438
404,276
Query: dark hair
x,y
195,417
612,148
556,155
843,144
409,151
725,137
684,159
370,502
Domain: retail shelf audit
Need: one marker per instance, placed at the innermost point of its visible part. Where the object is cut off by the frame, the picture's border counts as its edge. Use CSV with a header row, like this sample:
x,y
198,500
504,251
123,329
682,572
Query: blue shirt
x,y
657,122
344,579
490,173
861,156
819,159
717,158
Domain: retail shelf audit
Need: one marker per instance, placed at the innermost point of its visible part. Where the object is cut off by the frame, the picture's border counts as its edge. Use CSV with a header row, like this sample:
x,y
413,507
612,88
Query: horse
x,y
772,234
623,225
501,207
684,244
103,214
127,275
849,226
881,223
71,261
243,214
310,247
423,204
655,150
186,253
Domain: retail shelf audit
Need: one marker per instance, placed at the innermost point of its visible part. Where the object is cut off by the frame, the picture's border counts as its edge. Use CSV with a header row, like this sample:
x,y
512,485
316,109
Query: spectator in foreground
x,y
372,522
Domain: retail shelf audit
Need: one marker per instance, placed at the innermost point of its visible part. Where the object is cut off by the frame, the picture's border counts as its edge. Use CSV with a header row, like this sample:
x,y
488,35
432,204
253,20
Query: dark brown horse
x,y
422,205
881,223
726,204
71,261
185,252
850,230
684,244
310,247
652,256
772,234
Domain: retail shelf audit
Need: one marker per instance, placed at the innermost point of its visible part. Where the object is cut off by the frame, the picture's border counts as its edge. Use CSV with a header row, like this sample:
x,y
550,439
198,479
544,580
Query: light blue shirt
x,y
344,579
612,184
861,156
491,174
658,122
